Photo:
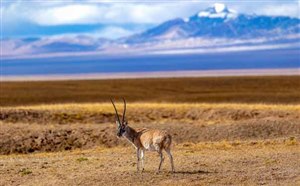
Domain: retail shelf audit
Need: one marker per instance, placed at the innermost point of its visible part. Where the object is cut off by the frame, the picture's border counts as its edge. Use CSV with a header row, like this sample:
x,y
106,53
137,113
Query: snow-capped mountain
x,y
215,28
218,11
219,21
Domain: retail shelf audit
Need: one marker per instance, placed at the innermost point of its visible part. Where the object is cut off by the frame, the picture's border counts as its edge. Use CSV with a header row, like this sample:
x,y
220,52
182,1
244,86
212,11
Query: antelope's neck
x,y
131,136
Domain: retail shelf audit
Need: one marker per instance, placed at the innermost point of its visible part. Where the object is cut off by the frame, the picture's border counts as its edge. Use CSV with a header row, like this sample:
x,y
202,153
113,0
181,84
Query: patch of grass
x,y
291,141
162,113
178,107
82,159
189,147
271,161
225,145
25,171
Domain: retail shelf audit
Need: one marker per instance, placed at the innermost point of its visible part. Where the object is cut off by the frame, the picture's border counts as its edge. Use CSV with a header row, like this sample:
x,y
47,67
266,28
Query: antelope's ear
x,y
125,123
117,123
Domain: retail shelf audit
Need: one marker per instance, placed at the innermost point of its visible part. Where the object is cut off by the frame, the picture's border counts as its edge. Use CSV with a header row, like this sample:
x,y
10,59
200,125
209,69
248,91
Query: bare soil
x,y
28,138
196,164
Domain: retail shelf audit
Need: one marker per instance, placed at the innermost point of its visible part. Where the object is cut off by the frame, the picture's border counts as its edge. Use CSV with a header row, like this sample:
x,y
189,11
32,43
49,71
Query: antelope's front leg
x,y
138,159
142,158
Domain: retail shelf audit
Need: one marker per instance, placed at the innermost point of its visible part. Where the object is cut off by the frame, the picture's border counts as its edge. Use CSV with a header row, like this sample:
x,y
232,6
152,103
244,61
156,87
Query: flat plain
x,y
260,89
227,131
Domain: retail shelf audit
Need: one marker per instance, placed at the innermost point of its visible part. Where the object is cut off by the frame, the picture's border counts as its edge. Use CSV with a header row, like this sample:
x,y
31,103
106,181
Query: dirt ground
x,y
220,163
214,144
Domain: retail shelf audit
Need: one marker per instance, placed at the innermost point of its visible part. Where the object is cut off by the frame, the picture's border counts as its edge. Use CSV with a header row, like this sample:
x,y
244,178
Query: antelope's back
x,y
153,139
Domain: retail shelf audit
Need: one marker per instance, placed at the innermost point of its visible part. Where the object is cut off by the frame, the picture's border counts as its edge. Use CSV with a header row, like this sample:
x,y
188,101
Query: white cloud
x,y
110,11
70,14
113,32
117,13
121,13
277,10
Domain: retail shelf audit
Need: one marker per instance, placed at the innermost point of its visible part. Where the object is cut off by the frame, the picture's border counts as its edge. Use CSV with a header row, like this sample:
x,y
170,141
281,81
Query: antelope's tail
x,y
167,142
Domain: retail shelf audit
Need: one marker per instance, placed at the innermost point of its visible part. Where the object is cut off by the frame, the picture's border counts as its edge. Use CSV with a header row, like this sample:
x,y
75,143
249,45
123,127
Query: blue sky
x,y
114,19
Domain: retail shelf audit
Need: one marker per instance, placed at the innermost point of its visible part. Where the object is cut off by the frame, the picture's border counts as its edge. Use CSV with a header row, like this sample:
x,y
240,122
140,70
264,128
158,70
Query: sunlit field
x,y
68,135
273,89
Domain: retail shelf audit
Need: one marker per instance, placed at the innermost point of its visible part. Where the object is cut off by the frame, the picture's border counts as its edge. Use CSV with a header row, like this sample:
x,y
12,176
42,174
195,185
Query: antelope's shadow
x,y
193,172
182,172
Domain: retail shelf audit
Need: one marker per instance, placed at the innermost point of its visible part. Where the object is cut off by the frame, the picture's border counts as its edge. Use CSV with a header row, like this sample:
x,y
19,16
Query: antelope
x,y
144,139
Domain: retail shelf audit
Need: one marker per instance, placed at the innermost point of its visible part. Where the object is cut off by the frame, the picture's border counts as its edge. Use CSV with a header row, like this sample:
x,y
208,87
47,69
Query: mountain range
x,y
219,21
215,27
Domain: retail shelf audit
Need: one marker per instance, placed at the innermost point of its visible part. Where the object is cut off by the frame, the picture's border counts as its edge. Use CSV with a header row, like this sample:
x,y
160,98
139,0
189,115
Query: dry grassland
x,y
273,89
226,131
215,144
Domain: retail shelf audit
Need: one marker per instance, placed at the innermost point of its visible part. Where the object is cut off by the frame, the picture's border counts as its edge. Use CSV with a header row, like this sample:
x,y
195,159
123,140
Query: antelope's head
x,y
121,126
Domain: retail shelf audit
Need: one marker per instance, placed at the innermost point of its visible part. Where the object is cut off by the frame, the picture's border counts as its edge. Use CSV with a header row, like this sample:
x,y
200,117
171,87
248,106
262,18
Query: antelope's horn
x,y
124,112
117,115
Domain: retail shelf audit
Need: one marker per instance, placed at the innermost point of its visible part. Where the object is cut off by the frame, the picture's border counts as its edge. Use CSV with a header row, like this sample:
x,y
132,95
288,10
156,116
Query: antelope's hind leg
x,y
171,159
161,159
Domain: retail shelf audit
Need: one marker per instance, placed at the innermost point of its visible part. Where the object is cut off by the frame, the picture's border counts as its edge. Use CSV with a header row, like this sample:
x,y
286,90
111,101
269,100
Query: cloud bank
x,y
116,19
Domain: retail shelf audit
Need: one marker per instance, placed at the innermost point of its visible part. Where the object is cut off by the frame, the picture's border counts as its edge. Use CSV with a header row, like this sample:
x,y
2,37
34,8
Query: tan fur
x,y
149,140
